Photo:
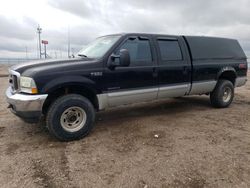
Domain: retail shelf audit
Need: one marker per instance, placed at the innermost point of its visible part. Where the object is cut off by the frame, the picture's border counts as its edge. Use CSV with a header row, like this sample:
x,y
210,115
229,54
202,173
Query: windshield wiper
x,y
82,55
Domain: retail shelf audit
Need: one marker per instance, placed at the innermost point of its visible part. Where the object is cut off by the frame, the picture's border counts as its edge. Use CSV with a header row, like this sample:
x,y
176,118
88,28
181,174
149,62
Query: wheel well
x,y
228,75
69,90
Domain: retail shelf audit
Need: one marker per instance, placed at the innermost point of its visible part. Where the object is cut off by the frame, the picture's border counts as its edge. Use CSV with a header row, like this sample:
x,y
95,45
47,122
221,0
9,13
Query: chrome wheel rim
x,y
73,119
227,94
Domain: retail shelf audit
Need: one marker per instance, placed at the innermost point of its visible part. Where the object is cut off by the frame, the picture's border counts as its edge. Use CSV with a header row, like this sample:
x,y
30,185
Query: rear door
x,y
137,82
174,69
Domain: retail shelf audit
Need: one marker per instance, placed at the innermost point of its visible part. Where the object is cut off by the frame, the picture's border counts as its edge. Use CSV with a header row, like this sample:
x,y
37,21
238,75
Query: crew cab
x,y
121,69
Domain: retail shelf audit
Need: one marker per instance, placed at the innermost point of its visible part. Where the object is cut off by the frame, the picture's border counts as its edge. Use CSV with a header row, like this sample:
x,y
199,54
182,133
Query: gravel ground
x,y
173,143
4,70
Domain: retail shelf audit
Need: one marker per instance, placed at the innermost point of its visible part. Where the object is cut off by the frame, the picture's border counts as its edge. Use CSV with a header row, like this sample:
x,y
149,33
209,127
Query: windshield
x,y
98,47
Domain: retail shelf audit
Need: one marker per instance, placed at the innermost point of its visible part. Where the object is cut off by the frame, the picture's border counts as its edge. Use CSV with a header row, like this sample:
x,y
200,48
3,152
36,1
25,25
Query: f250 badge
x,y
96,73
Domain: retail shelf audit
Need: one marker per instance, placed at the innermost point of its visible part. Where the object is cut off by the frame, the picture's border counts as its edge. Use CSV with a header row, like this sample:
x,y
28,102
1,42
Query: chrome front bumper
x,y
25,106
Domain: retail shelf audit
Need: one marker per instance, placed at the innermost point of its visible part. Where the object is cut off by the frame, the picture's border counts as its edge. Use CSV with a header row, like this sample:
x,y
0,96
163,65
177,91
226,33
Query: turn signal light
x,y
34,90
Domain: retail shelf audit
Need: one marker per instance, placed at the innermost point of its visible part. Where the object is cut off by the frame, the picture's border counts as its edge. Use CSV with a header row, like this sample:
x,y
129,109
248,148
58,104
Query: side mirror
x,y
123,59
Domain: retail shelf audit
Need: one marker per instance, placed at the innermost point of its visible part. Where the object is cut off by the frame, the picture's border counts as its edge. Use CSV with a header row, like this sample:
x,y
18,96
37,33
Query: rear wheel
x,y
70,117
223,94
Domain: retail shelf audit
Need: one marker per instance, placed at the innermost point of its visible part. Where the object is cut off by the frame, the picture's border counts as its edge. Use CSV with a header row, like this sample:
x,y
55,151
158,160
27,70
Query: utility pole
x,y
73,52
45,52
26,50
68,42
39,31
45,42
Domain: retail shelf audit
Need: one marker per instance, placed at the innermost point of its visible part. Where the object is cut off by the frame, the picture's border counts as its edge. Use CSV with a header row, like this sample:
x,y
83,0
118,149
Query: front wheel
x,y
70,117
223,94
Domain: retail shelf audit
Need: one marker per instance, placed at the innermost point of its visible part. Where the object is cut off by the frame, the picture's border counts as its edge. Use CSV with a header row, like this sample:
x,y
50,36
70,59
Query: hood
x,y
40,65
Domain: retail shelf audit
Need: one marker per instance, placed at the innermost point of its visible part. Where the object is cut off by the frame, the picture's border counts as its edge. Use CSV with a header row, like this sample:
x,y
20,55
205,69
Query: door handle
x,y
155,73
185,70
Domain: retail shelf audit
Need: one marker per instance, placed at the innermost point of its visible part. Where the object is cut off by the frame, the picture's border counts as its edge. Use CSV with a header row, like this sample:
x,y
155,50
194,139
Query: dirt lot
x,y
4,70
197,146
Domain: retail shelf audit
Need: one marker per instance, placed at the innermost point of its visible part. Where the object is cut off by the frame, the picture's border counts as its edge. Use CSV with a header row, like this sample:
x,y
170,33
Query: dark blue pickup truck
x,y
122,69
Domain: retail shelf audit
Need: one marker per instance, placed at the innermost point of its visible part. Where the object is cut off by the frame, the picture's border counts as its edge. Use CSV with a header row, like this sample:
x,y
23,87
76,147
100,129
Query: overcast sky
x,y
88,19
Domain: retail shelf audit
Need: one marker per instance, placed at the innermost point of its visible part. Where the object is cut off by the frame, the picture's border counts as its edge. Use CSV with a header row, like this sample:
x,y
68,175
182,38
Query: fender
x,y
70,80
226,69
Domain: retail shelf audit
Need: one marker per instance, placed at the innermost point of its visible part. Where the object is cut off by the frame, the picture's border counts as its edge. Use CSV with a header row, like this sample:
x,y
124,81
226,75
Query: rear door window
x,y
169,50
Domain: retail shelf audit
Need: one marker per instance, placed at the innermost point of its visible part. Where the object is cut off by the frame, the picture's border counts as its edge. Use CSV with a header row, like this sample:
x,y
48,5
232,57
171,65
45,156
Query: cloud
x,y
20,30
79,8
15,36
180,17
213,12
214,17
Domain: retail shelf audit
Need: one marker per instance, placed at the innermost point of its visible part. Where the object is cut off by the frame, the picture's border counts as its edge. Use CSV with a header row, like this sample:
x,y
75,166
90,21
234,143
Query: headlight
x,y
28,85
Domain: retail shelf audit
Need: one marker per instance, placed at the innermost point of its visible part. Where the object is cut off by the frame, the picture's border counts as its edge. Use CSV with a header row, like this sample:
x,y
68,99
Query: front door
x,y
138,81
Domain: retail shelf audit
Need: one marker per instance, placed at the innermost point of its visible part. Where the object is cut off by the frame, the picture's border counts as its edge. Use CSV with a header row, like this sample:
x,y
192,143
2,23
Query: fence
x,y
12,61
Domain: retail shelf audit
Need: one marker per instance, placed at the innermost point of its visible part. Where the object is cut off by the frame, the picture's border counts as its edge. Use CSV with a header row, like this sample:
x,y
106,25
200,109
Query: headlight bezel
x,y
28,85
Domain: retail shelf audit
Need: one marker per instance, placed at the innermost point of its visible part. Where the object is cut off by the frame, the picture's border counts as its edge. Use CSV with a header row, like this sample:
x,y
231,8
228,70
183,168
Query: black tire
x,y
55,120
219,98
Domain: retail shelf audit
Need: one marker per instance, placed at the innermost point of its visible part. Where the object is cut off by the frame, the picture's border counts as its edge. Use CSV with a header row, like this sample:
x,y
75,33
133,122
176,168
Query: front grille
x,y
14,80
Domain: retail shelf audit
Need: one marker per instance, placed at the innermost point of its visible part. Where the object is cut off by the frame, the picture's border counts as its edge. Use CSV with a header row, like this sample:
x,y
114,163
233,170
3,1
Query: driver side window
x,y
139,51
